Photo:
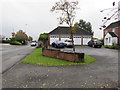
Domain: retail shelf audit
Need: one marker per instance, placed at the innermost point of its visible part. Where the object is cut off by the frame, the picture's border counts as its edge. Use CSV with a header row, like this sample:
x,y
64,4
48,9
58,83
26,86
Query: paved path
x,y
103,73
11,54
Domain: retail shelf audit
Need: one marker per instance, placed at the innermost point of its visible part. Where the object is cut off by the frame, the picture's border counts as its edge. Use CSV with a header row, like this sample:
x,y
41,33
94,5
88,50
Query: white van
x,y
68,43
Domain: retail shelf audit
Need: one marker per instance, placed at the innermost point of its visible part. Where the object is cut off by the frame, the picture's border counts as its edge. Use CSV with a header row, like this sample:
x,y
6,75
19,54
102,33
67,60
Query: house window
x,y
77,37
54,36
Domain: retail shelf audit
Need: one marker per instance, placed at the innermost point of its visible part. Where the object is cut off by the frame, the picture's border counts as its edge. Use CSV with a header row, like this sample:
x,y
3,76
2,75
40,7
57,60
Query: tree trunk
x,y
72,39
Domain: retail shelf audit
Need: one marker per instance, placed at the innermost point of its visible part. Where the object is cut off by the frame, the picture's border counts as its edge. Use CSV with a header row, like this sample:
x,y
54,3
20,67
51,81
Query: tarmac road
x,y
11,54
101,74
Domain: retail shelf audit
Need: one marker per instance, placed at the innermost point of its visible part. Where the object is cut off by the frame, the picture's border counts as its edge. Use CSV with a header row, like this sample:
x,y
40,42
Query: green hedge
x,y
113,47
5,41
15,43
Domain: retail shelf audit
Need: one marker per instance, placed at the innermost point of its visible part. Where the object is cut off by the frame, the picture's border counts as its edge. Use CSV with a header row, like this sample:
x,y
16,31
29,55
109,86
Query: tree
x,y
68,12
30,38
44,37
85,26
21,37
74,27
113,14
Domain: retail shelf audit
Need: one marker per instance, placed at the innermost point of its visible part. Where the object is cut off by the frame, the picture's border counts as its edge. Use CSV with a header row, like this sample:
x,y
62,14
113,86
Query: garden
x,y
36,58
112,47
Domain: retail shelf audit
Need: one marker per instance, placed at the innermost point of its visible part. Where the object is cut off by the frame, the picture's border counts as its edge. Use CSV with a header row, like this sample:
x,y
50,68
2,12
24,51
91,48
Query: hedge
x,y
5,41
15,43
113,47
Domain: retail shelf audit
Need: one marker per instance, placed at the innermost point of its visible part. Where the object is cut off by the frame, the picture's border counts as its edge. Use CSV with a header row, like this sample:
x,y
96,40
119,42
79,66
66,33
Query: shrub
x,y
105,46
116,47
23,42
5,41
15,43
113,47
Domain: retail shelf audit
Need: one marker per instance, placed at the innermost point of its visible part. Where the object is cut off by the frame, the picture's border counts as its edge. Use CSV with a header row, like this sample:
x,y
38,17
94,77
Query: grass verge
x,y
112,47
36,58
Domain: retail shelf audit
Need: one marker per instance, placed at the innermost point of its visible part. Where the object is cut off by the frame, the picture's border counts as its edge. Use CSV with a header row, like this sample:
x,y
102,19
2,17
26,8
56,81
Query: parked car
x,y
95,43
33,44
68,43
58,44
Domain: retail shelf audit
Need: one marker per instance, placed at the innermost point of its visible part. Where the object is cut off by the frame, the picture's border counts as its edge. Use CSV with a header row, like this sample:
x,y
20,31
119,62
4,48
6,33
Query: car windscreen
x,y
98,41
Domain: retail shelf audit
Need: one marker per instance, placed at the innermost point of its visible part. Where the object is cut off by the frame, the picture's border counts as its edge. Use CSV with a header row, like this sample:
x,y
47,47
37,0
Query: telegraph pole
x,y
25,28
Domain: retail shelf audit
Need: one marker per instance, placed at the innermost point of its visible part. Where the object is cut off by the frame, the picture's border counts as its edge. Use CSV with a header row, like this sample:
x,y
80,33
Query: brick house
x,y
112,34
81,37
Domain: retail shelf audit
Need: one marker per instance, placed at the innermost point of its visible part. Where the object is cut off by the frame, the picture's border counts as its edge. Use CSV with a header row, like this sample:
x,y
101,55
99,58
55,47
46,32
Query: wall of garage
x,y
53,38
64,37
78,40
86,40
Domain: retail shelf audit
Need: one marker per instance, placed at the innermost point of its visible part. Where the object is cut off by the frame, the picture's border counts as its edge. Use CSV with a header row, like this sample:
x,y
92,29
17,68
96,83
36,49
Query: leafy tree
x,y
68,12
30,38
44,37
112,15
74,27
21,37
85,26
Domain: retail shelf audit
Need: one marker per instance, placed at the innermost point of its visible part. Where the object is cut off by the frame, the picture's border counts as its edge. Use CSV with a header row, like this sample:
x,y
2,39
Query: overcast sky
x,y
34,16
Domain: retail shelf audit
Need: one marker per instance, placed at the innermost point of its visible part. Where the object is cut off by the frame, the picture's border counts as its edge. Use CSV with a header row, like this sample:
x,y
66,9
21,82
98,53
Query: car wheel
x,y
55,46
93,46
52,45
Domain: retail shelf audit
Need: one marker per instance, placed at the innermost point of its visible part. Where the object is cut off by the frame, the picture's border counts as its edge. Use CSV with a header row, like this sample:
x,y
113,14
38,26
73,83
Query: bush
x,y
15,43
5,41
116,47
105,46
113,47
23,42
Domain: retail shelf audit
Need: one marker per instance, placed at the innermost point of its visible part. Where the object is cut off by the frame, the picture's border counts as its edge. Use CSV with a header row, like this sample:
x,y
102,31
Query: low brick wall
x,y
69,56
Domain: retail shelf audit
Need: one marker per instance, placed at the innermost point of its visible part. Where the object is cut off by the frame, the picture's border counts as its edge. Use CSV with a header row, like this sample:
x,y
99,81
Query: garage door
x,y
53,38
77,40
86,40
63,38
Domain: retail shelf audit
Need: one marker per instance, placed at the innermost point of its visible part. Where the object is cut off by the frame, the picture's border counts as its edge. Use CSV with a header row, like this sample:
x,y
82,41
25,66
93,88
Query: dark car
x,y
58,44
95,43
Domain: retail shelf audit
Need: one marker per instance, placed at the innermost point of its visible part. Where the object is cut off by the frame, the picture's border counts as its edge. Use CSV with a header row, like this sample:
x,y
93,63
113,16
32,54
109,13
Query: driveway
x,y
101,74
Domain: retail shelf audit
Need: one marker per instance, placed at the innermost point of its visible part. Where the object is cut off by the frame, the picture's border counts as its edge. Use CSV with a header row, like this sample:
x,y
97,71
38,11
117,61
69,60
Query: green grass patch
x,y
112,47
36,58
15,43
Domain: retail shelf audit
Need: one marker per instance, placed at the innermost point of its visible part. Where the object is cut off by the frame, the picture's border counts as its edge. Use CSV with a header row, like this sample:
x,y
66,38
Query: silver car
x,y
68,43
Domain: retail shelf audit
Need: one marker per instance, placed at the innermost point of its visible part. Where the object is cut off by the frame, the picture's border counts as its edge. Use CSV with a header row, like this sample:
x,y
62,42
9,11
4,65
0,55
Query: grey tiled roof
x,y
66,30
113,34
113,25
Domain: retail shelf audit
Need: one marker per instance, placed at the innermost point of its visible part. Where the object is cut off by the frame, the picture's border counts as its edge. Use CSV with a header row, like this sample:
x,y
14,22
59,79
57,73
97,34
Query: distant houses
x,y
81,37
112,34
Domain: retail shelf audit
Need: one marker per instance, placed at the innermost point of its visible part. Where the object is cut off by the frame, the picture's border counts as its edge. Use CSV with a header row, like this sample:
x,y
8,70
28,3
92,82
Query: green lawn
x,y
36,58
117,47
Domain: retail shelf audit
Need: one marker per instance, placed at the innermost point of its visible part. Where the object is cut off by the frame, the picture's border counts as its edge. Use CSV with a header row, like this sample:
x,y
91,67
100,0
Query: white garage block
x,y
63,38
86,40
53,38
77,40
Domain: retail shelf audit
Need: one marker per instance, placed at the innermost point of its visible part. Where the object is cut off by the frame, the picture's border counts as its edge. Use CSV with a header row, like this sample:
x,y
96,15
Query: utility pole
x,y
25,28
